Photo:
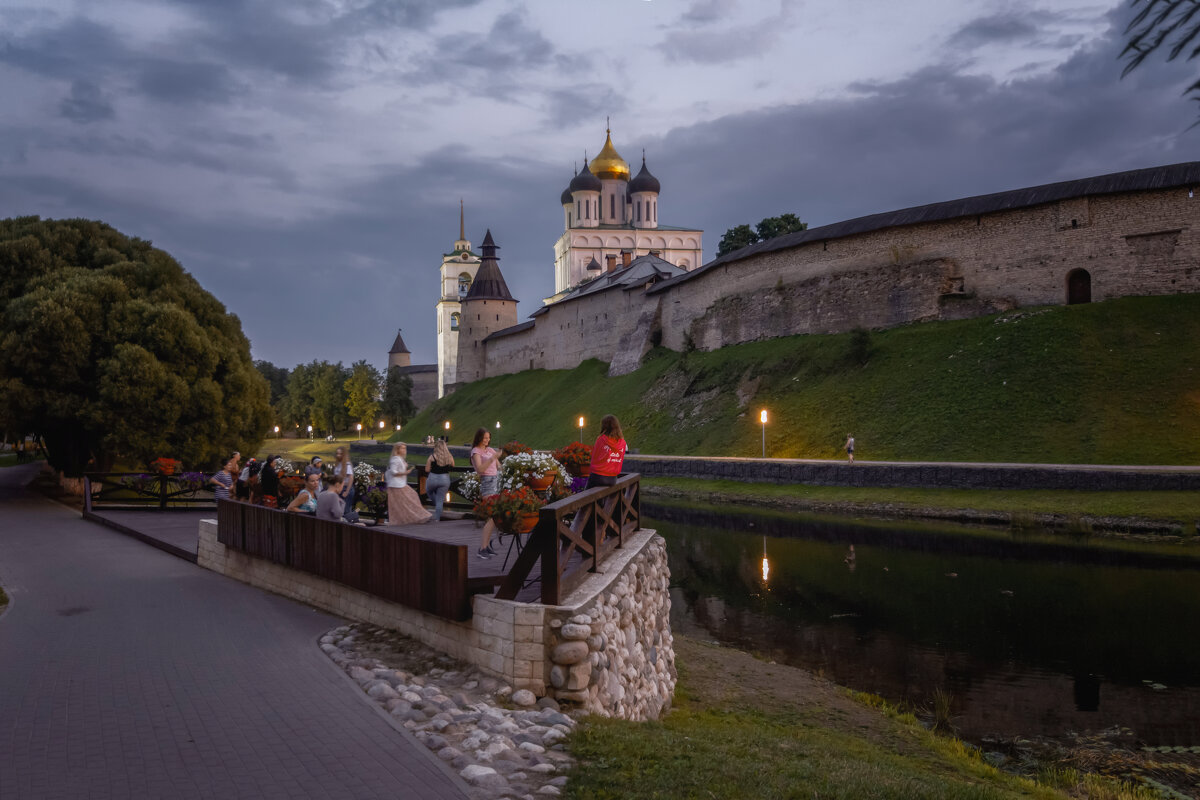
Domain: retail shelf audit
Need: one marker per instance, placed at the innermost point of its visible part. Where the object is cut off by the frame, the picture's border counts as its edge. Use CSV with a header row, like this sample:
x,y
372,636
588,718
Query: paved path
x,y
126,672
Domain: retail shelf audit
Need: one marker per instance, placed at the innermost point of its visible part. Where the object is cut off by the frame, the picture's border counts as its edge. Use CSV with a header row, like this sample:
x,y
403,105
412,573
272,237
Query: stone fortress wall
x,y
1137,242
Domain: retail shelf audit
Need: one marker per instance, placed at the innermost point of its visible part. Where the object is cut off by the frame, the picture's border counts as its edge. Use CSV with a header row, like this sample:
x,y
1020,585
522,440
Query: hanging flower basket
x,y
577,458
540,483
510,509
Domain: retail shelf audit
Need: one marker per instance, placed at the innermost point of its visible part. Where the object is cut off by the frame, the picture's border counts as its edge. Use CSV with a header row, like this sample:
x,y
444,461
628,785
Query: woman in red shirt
x,y
608,454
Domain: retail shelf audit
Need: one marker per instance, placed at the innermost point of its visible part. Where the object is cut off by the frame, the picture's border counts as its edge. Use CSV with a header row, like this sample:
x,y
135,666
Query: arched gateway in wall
x,y
1079,287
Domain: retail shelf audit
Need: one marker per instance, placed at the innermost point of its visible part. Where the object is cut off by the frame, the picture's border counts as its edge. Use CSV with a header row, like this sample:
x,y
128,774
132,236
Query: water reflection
x,y
1031,635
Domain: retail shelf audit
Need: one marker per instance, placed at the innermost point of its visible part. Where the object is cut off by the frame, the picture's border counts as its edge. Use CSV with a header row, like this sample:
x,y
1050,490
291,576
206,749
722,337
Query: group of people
x,y
608,456
330,495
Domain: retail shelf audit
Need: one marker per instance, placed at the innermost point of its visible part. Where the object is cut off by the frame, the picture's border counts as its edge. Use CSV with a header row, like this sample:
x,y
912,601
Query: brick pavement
x,y
126,672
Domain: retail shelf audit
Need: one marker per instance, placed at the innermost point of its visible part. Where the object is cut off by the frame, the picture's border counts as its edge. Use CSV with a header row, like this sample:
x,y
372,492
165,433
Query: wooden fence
x,y
127,491
573,537
426,575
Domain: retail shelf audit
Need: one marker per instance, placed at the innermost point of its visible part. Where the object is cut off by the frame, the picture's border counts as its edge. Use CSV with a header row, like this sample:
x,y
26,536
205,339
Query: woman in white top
x,y
404,506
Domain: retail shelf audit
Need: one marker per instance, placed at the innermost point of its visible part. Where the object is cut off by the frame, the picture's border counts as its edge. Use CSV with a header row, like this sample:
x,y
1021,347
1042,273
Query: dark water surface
x,y
1031,635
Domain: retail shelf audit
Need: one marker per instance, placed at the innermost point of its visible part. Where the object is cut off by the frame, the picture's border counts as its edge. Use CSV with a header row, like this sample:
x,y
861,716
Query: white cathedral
x,y
609,220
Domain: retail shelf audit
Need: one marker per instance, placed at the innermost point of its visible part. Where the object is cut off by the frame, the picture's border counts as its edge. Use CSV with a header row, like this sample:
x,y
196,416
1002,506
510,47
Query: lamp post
x,y
497,424
447,434
381,429
762,417
397,427
358,427
276,431
581,430
310,433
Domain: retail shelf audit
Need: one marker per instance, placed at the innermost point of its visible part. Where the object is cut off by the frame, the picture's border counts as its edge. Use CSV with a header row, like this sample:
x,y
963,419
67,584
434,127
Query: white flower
x,y
365,476
515,469
468,486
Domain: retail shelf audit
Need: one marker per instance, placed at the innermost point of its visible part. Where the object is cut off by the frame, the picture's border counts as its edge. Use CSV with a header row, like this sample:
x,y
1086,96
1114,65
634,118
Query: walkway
x,y
126,672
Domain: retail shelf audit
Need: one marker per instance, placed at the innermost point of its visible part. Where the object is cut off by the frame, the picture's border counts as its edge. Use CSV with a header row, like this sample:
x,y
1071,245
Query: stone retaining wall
x,y
608,648
927,476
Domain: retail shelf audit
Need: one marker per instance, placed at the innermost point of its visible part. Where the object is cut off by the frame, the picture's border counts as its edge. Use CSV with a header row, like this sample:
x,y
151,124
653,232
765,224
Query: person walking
x,y
222,481
305,501
437,476
850,447
343,467
608,454
330,505
486,463
404,504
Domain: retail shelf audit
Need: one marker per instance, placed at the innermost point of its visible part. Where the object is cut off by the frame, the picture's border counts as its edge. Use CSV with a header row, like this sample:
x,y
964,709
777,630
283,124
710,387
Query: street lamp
x,y
310,433
276,431
358,427
581,430
381,426
762,417
397,427
497,424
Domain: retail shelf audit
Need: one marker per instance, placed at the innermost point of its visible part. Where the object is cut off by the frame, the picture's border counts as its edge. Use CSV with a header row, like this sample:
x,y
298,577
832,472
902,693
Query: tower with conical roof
x,y
457,272
399,355
610,218
487,307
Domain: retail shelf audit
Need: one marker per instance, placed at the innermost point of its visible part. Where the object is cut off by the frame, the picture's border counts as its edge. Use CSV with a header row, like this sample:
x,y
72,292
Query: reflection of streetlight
x,y
766,566
581,430
762,417
358,427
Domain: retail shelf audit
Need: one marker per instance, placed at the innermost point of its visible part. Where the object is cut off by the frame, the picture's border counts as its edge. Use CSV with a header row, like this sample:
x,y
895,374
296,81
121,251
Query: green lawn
x,y
1182,507
1108,383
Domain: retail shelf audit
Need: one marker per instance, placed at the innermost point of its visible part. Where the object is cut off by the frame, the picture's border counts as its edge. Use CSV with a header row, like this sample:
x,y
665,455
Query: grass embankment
x,y
1182,508
1107,383
745,728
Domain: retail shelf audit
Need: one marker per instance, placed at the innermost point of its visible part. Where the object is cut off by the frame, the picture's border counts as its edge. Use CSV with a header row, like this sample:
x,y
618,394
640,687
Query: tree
x,y
742,236
110,351
362,393
296,407
329,396
397,397
735,239
277,380
1174,23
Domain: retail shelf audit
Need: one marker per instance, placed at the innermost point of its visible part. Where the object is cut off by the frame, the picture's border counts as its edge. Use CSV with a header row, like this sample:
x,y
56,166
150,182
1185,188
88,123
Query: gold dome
x,y
609,165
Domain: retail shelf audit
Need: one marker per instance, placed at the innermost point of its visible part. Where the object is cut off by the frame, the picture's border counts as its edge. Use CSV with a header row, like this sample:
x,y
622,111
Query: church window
x,y
612,206
464,284
577,210
568,219
639,210
454,322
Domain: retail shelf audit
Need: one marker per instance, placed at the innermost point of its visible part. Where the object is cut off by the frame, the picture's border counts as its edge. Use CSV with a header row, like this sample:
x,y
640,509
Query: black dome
x,y
585,181
566,198
644,181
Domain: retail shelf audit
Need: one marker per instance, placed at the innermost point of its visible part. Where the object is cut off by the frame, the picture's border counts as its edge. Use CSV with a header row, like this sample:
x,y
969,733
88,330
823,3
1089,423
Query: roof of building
x,y
644,181
584,181
489,283
1165,177
524,326
608,164
417,368
641,270
398,346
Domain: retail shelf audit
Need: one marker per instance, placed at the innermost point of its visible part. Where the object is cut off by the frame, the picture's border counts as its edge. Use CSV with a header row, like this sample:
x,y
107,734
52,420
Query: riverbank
x,y
1153,514
741,722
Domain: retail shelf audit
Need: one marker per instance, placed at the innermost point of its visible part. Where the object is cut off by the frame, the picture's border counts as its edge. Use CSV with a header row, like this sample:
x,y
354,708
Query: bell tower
x,y
457,274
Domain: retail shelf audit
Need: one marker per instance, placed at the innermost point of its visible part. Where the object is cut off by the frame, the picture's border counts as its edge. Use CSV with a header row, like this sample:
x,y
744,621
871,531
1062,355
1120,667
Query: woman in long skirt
x,y
404,506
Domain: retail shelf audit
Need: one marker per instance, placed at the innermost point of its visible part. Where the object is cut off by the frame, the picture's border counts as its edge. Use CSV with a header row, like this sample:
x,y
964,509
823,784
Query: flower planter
x,y
524,523
540,483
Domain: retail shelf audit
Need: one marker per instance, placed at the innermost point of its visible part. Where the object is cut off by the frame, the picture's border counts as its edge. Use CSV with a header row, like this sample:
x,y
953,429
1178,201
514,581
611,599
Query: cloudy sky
x,y
304,159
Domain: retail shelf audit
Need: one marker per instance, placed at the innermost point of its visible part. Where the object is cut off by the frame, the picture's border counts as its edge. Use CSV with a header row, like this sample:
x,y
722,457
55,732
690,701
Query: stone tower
x,y
487,307
399,355
457,272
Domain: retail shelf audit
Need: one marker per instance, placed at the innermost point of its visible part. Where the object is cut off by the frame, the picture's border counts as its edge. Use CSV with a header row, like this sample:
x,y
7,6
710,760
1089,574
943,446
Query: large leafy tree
x,y
277,381
111,351
329,396
296,407
362,393
397,397
741,236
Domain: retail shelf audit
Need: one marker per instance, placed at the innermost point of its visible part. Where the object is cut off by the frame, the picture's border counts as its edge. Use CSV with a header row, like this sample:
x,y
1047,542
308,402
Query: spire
x,y
398,346
462,228
489,283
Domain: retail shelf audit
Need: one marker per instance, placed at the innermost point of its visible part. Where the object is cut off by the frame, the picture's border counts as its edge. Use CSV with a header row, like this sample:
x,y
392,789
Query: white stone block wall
x,y
626,660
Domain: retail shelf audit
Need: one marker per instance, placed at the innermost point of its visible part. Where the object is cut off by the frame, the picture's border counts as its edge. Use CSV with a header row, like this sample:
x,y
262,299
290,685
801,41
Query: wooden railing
x,y
426,575
573,537
103,490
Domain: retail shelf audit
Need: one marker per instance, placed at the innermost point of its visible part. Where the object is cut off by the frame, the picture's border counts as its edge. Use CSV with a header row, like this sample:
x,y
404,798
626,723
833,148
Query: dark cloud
x,y
705,12
585,101
186,83
711,43
86,103
996,28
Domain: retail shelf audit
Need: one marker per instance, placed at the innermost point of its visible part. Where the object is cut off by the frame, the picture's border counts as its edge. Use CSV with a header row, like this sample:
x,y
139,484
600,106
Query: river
x,y
1030,635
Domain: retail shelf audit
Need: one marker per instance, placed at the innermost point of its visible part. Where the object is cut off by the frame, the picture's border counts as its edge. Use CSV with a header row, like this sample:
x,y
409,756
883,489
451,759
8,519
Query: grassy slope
x,y
1114,382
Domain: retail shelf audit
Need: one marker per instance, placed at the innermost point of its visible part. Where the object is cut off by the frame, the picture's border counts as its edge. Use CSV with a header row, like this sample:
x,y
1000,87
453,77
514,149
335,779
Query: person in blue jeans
x,y
437,482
